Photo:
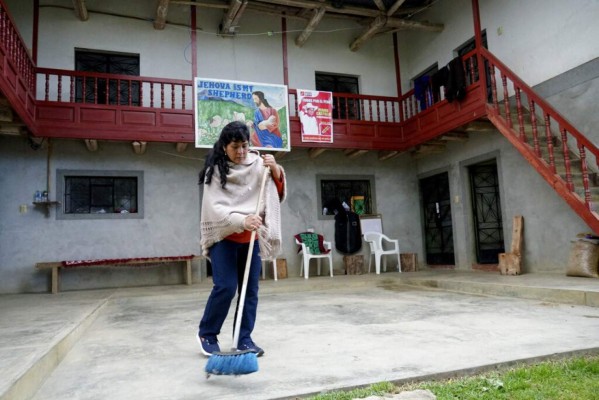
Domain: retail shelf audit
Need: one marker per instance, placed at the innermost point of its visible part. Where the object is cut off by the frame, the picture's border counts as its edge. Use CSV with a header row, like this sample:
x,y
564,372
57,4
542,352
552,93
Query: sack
x,y
584,259
348,232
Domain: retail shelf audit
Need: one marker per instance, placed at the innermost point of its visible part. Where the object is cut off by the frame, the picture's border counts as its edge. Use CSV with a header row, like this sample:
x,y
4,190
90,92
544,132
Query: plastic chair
x,y
307,256
274,269
378,242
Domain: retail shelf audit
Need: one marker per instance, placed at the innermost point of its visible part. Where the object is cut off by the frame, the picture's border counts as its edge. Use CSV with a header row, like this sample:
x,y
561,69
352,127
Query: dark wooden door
x,y
486,209
438,227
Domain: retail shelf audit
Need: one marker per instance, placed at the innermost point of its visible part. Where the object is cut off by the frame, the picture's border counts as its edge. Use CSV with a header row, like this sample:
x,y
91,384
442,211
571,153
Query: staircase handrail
x,y
548,108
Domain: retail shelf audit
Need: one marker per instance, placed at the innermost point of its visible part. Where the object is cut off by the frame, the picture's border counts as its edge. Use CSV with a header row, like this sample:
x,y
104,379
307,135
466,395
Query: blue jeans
x,y
228,264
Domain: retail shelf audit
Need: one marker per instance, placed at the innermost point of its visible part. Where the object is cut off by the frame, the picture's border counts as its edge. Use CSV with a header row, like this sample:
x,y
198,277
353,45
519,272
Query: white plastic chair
x,y
307,256
378,242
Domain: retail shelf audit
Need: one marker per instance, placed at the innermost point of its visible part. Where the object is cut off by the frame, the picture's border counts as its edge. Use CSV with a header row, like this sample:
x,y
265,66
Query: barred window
x,y
100,194
337,83
103,90
357,192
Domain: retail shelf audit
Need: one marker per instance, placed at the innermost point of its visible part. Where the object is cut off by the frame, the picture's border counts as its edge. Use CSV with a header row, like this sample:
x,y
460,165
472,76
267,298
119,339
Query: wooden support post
x,y
511,263
187,271
55,280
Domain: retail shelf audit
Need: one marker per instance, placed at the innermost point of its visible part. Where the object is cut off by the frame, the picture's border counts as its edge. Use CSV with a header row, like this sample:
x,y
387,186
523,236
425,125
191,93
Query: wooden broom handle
x,y
248,261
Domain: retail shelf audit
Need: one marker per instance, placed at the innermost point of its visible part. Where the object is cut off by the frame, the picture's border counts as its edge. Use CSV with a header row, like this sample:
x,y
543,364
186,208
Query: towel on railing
x,y
456,82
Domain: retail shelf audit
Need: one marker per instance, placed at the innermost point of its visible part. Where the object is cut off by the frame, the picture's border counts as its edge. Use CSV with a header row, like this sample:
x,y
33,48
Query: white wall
x,y
162,53
542,38
537,39
327,50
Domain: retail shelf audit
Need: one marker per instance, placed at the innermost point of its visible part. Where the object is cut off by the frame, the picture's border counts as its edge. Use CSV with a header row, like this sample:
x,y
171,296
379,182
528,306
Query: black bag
x,y
348,233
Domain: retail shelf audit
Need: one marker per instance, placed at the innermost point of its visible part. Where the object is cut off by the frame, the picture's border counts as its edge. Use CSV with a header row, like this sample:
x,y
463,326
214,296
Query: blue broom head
x,y
234,363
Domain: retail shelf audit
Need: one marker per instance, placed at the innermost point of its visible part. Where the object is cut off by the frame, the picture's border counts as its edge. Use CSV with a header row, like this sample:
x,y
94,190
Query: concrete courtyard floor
x,y
319,334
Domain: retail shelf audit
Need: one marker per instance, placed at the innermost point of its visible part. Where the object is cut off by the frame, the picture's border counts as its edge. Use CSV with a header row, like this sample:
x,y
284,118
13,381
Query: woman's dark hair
x,y
261,97
235,131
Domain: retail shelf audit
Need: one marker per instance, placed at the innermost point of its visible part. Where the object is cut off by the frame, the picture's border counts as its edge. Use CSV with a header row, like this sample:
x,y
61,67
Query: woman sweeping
x,y
231,181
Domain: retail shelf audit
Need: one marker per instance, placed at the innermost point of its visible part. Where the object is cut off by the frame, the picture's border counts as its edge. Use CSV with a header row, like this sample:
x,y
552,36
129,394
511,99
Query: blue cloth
x,y
267,138
422,91
228,263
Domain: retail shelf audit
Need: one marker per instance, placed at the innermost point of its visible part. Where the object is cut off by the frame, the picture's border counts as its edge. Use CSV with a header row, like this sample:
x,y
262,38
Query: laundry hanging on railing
x,y
439,79
423,92
456,80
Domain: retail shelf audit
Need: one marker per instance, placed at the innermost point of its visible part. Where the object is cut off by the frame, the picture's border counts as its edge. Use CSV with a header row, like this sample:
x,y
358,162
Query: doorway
x,y
438,226
486,210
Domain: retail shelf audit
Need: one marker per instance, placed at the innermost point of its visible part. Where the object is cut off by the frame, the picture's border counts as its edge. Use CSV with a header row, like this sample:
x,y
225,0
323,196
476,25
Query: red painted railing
x,y
17,76
411,106
557,150
66,86
348,106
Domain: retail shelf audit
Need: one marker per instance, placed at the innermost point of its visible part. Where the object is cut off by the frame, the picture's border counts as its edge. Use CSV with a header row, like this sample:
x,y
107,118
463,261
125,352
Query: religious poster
x,y
262,107
315,110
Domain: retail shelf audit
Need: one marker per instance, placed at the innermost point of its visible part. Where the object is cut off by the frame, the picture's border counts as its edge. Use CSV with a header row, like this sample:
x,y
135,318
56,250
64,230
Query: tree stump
x,y
353,264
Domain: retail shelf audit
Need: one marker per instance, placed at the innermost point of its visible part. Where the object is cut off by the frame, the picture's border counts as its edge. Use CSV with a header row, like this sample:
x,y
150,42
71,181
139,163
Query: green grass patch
x,y
574,378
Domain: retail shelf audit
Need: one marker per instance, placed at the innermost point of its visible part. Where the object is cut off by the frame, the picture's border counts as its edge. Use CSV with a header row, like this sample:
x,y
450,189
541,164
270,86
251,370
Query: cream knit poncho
x,y
224,210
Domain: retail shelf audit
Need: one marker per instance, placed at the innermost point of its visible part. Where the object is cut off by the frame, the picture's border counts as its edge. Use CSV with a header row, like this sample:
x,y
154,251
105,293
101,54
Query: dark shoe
x,y
208,345
251,346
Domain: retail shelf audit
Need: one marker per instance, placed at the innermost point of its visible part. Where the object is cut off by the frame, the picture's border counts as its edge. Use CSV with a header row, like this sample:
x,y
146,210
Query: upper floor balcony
x,y
58,103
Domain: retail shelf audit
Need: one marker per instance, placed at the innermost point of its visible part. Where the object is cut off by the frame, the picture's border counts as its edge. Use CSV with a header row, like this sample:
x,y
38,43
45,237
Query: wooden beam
x,y
231,18
380,4
405,24
304,5
386,155
349,10
200,4
6,114
315,152
454,137
10,128
299,9
430,147
181,147
301,39
480,126
372,29
91,144
139,147
80,10
355,153
436,142
161,12
426,149
393,9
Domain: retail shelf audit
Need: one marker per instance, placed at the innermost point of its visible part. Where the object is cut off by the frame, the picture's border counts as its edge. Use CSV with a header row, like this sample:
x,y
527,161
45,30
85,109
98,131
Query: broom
x,y
238,362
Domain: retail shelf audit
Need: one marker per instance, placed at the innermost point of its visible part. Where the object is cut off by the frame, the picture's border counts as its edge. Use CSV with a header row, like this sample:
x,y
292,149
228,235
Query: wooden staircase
x,y
561,154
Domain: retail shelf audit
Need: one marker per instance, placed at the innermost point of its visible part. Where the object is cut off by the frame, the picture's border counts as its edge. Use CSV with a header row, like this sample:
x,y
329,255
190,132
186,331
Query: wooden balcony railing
x,y
64,86
72,104
86,105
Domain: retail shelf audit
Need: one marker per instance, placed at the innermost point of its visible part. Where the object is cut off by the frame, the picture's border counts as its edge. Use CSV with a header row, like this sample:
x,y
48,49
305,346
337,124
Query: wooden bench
x,y
56,266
